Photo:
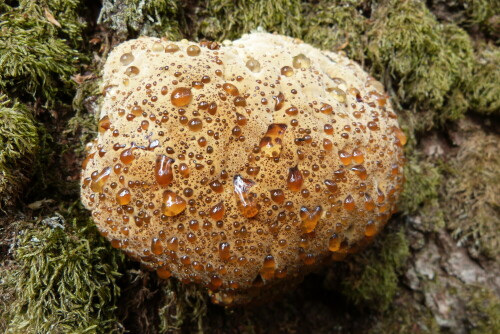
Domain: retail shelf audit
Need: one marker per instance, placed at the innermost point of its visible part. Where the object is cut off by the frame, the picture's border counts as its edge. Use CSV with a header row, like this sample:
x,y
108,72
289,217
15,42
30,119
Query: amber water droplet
x,y
268,267
358,156
400,136
215,282
87,159
240,101
326,109
292,111
164,90
181,96
295,180
132,71
241,119
126,58
310,218
278,196
334,243
173,244
301,61
193,50
100,179
272,142
156,246
279,101
253,65
127,156
224,251
163,170
370,229
216,186
360,171
137,110
217,211
345,157
230,89
123,197
163,272
349,204
246,201
173,204
157,47
369,203
338,94
380,196
327,144
171,48
287,71
195,124
184,170
104,124
331,186
212,108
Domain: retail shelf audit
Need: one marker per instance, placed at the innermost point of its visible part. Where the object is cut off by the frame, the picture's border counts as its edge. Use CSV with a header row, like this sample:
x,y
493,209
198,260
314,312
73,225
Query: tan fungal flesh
x,y
243,165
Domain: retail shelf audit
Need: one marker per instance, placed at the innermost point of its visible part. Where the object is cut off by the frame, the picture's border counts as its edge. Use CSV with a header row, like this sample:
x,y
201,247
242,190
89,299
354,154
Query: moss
x,y
483,311
132,18
19,142
485,14
228,19
65,280
405,317
182,306
373,279
484,88
422,183
36,53
421,60
336,25
470,193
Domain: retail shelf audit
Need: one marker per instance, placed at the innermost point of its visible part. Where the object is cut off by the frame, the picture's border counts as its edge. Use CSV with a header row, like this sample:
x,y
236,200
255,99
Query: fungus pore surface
x,y
240,166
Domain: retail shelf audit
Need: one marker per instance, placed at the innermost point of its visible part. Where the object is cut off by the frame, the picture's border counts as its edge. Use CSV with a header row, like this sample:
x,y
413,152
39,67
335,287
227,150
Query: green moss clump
x,y
374,276
65,280
485,14
183,306
19,142
483,311
404,316
132,18
421,185
336,25
37,57
421,60
228,19
470,194
484,88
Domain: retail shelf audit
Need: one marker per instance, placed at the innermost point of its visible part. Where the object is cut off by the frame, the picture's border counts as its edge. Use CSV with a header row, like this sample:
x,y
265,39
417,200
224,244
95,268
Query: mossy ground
x,y
439,61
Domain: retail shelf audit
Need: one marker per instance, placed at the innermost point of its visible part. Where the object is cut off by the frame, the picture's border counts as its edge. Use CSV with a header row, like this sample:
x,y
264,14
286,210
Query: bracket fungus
x,y
244,166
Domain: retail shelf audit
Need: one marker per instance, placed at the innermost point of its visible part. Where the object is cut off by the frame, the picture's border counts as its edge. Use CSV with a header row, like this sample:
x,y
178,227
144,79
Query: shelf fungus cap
x,y
240,167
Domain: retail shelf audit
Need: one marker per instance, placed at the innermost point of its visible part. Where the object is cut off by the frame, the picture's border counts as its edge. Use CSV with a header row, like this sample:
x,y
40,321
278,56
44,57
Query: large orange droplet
x,y
295,180
181,96
173,204
156,246
246,201
310,218
123,197
224,251
99,180
163,170
217,211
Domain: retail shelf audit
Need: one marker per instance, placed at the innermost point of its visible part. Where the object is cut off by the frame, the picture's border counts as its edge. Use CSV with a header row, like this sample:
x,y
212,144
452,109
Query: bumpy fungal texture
x,y
243,166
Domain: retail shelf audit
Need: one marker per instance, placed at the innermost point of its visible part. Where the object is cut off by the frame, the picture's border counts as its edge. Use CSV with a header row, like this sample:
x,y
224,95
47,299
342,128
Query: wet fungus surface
x,y
240,167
